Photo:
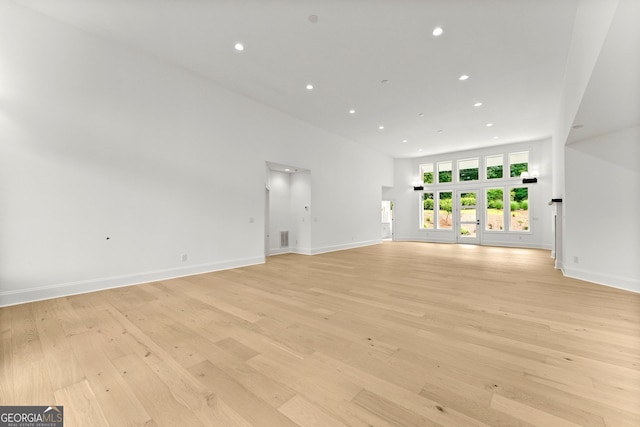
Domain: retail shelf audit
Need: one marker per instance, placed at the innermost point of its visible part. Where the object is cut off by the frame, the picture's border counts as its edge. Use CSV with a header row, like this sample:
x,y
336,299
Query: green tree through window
x,y
469,174
518,168
494,172
428,217
444,176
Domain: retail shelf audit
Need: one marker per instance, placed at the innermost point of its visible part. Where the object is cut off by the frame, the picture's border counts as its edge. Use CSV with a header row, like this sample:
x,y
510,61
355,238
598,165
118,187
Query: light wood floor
x,y
396,334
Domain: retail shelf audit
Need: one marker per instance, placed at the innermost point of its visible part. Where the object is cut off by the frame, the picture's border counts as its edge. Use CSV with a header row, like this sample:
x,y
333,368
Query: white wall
x,y
97,141
602,232
407,201
300,210
597,177
590,28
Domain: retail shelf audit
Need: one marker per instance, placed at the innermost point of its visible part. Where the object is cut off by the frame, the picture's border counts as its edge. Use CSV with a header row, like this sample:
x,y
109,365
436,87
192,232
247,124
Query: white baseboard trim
x,y
494,243
324,249
421,239
617,282
279,251
21,296
353,245
518,245
300,251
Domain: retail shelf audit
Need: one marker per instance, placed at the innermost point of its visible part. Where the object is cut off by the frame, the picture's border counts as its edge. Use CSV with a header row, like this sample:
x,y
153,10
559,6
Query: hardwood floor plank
x,y
320,385
398,395
263,387
255,410
396,334
62,366
116,399
467,399
391,411
527,413
165,405
80,406
6,365
305,413
31,383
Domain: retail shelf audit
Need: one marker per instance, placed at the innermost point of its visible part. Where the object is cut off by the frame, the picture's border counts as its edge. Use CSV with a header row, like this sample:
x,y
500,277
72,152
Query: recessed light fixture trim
x,y
489,125
239,47
309,87
352,111
477,104
437,31
381,127
463,77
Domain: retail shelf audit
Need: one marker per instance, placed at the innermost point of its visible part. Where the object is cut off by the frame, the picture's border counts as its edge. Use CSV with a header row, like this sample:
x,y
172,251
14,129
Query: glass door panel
x,y
468,218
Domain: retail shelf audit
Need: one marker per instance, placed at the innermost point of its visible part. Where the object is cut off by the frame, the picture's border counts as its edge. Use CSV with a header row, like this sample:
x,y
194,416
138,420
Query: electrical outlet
x,y
184,257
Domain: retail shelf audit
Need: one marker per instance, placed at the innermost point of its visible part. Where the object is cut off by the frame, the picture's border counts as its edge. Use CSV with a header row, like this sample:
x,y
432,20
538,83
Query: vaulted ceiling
x,y
372,63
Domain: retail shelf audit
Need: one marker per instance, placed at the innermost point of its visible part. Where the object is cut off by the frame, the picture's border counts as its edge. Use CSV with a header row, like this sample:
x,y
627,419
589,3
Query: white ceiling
x,y
513,50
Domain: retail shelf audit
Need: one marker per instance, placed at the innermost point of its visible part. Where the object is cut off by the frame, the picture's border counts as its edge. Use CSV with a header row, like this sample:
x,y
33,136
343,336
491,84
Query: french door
x,y
468,209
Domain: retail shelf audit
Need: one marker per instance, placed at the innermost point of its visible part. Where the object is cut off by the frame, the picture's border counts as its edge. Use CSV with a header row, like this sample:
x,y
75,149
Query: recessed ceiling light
x,y
380,127
421,115
419,149
239,47
313,19
496,137
439,131
309,87
404,141
489,125
477,104
352,111
463,77
437,31
385,81
287,170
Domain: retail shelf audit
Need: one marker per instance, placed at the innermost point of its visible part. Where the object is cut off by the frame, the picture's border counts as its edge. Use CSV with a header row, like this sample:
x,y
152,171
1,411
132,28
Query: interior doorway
x,y
287,210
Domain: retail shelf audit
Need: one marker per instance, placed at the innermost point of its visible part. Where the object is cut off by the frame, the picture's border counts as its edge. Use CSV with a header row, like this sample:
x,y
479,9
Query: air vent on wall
x,y
284,239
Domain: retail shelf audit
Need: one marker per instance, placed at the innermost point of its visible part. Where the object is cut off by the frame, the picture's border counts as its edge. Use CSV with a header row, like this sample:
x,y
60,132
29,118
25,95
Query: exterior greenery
x,y
495,198
470,174
428,201
494,172
518,168
444,176
519,198
469,199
